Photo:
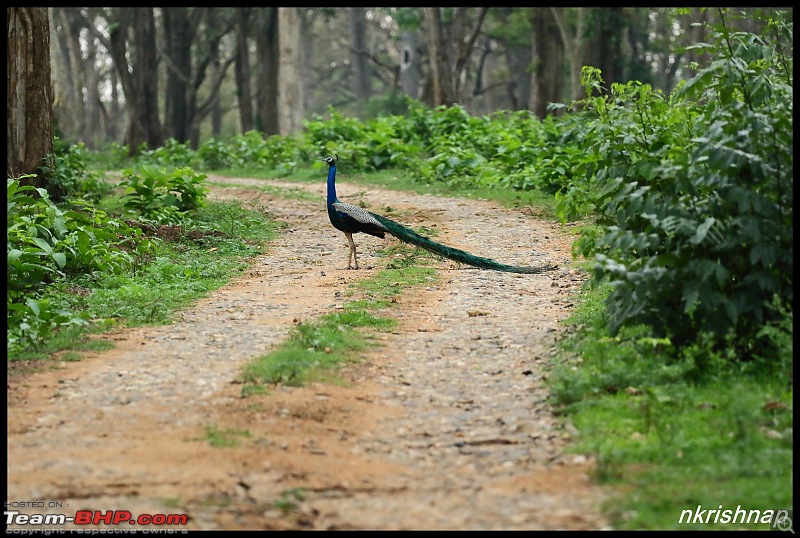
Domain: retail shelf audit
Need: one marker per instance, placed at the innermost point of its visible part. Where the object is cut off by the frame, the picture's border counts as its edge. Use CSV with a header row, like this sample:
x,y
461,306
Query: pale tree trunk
x,y
66,105
362,73
548,61
92,132
242,69
449,52
29,110
409,63
115,109
290,93
574,45
268,54
441,73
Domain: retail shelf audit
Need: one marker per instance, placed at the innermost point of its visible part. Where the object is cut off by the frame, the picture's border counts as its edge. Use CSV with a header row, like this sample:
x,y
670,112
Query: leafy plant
x,y
45,244
696,198
158,195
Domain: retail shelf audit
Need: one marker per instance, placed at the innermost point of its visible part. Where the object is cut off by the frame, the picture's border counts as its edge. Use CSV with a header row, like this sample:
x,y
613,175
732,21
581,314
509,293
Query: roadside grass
x,y
668,438
296,193
224,237
539,204
221,437
315,349
289,500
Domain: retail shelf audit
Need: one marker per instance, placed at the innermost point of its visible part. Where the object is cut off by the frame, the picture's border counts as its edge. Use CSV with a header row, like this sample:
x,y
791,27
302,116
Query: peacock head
x,y
330,160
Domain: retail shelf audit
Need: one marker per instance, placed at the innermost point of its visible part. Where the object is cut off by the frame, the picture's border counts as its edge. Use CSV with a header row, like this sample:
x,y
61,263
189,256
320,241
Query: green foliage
x,y
251,150
674,429
163,276
695,197
159,195
172,154
67,166
112,157
363,146
47,243
391,103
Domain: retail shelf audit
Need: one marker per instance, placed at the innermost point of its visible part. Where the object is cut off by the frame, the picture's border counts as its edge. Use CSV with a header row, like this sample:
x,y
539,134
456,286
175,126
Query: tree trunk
x,y
66,105
604,48
362,72
519,60
441,73
449,52
178,33
267,91
290,94
409,63
574,45
29,114
242,70
116,112
138,75
548,61
92,134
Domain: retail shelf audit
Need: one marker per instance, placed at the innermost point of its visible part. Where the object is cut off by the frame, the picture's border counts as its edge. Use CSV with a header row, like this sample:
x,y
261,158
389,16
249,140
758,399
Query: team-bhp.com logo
x,y
95,517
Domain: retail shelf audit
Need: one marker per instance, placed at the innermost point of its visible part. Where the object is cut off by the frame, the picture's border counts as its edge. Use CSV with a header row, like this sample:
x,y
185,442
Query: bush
x,y
45,243
696,198
159,195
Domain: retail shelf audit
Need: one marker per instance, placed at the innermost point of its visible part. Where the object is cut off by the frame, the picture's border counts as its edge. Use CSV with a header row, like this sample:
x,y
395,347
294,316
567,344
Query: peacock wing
x,y
358,214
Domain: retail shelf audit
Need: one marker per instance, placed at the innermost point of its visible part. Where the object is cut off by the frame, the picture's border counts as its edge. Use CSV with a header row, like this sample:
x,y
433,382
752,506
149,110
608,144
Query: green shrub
x,y
159,195
46,243
172,154
696,198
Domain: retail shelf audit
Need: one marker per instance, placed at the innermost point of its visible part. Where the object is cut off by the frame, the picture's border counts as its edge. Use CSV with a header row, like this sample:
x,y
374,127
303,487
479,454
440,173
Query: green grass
x,y
180,273
289,499
543,205
224,437
667,437
315,349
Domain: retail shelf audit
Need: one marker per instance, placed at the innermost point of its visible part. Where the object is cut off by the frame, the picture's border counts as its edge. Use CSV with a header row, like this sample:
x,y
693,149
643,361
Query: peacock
x,y
352,219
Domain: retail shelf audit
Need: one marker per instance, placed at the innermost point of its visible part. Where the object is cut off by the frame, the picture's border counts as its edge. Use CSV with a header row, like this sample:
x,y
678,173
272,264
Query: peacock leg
x,y
352,251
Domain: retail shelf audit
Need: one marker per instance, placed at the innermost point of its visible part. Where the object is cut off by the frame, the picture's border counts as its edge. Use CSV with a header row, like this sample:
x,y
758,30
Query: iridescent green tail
x,y
410,236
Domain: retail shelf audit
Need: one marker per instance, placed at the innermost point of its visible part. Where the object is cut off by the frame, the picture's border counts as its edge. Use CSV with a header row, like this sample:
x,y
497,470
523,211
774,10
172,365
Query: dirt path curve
x,y
444,427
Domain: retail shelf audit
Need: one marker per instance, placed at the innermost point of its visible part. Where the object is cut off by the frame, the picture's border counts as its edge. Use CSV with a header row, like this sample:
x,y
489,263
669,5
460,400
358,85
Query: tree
x,y
604,47
268,54
29,117
242,70
548,59
449,49
362,74
132,44
290,93
66,105
179,33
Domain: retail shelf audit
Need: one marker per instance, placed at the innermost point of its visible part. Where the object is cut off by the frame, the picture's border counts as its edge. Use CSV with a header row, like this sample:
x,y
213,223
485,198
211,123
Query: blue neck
x,y
332,185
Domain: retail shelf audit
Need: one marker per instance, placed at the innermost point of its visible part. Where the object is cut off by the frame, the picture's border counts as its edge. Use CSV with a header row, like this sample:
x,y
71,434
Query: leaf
x,y
60,258
701,231
44,245
33,304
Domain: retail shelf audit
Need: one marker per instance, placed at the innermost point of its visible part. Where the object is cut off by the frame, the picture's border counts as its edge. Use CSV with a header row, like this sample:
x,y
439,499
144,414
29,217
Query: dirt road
x,y
445,426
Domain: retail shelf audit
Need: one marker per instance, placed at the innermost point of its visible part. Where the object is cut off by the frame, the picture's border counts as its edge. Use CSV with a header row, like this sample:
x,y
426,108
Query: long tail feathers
x,y
410,236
